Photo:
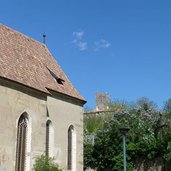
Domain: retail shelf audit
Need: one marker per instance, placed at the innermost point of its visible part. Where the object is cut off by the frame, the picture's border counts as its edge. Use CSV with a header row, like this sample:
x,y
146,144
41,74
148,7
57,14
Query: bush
x,y
45,163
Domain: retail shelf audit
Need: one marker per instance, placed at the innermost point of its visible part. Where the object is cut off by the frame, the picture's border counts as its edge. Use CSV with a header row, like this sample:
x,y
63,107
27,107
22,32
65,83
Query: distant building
x,y
102,101
40,110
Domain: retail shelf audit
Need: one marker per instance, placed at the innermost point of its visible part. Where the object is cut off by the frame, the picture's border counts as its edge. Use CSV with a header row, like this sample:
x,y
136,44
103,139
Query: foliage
x,y
88,162
44,163
93,123
91,126
149,137
146,104
167,106
118,105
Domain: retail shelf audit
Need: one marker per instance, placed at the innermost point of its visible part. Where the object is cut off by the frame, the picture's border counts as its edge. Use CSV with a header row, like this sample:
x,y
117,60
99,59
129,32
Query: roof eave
x,y
80,100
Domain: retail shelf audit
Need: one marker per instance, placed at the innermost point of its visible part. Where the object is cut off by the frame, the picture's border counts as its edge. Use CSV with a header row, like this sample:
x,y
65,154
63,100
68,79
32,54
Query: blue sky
x,y
122,47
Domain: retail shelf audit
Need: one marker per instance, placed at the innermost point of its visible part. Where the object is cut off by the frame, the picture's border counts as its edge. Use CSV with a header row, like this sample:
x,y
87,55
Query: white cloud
x,y
77,40
78,35
101,44
82,45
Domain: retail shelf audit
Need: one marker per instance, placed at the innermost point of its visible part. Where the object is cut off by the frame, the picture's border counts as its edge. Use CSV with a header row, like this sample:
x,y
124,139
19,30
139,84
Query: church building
x,y
40,110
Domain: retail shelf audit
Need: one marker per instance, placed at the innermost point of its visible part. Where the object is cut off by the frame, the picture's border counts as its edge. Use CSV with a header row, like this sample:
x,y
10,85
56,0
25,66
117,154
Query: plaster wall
x,y
12,104
15,100
64,114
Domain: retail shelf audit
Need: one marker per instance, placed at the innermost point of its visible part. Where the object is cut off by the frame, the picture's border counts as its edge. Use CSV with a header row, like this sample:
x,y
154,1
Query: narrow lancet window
x,y
71,149
49,139
21,143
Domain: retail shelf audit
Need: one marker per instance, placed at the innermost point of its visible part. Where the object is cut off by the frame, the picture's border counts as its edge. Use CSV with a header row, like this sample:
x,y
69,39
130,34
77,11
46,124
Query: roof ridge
x,y
33,59
34,40
26,36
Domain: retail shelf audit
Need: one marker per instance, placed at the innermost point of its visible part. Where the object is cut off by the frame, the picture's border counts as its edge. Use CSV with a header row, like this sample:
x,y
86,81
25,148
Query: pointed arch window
x,y
71,148
49,138
21,149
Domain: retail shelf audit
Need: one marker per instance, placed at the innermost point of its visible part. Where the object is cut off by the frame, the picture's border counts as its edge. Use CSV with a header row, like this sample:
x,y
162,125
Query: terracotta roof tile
x,y
29,62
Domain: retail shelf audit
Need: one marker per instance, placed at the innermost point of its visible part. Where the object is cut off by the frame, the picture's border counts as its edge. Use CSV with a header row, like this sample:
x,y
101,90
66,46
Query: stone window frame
x,y
49,138
24,162
71,163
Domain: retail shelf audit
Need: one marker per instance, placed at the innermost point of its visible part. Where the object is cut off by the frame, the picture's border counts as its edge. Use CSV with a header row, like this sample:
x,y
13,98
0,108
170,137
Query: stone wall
x,y
63,115
15,100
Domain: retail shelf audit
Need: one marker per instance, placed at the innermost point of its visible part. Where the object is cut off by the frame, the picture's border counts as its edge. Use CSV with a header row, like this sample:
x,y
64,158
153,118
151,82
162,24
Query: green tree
x,y
118,105
45,163
167,106
146,104
92,123
149,137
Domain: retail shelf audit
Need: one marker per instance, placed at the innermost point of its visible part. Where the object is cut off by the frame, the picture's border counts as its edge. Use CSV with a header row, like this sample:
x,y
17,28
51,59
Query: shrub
x,y
45,163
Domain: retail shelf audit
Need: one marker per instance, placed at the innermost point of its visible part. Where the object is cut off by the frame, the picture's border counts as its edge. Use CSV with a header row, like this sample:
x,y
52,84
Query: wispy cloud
x,y
101,44
82,45
77,40
78,35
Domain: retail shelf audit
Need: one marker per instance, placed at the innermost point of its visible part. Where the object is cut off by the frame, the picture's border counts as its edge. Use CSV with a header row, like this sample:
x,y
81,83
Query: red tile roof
x,y
29,62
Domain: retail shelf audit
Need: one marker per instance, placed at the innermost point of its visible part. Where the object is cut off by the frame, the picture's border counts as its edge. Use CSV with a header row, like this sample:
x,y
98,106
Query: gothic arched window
x,y
71,148
22,135
49,139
